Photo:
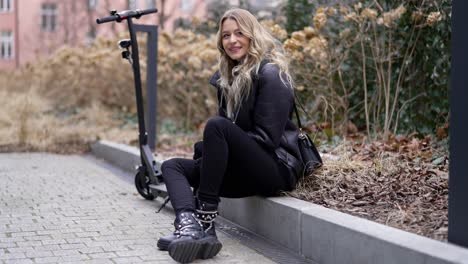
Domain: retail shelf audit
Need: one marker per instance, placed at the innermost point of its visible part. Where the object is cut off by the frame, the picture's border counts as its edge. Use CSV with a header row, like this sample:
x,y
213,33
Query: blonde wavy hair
x,y
236,76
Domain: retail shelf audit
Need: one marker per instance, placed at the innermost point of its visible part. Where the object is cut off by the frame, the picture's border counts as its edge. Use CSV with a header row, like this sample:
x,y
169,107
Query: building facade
x,y
30,29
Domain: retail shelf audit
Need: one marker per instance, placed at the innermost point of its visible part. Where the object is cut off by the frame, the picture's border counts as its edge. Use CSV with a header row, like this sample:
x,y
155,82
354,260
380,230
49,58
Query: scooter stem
x,y
142,137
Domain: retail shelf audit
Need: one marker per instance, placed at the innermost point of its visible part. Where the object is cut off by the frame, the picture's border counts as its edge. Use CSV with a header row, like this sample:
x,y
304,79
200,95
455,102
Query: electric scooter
x,y
148,179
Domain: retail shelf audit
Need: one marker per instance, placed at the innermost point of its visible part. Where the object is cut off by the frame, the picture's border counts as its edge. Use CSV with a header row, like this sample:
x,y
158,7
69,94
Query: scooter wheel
x,y
142,184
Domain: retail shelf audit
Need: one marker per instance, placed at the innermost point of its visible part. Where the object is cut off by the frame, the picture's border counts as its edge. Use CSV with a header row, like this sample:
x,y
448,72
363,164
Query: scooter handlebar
x,y
149,11
106,19
125,14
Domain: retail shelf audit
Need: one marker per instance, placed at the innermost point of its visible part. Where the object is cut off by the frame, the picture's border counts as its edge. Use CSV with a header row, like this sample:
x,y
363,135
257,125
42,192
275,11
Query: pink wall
x,y
74,23
7,23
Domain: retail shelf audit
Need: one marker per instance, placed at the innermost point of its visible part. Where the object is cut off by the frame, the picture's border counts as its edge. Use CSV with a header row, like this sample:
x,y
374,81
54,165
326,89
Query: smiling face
x,y
235,43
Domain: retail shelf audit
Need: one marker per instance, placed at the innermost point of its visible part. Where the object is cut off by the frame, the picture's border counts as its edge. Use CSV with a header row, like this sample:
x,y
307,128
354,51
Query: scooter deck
x,y
159,190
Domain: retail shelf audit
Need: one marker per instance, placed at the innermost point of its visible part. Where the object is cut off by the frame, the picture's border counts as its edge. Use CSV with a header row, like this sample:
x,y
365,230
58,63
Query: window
x,y
186,5
6,5
91,36
49,17
150,4
92,4
132,4
6,45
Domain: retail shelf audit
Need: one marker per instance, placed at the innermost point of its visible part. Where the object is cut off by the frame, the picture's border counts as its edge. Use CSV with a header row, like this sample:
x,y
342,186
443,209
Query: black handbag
x,y
309,153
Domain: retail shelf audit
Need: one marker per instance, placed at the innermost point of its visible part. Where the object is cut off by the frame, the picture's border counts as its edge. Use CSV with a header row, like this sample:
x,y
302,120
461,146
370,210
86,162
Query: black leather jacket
x,y
266,116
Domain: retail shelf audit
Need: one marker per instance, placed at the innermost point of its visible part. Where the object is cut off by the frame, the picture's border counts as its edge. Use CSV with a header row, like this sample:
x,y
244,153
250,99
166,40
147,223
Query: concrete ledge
x,y
318,233
329,236
121,155
276,218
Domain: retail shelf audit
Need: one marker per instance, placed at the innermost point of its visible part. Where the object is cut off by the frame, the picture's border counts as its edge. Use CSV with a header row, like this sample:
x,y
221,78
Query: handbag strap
x,y
296,99
297,116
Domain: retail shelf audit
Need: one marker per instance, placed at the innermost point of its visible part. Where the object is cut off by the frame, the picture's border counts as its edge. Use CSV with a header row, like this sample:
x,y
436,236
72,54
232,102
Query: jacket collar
x,y
214,79
216,76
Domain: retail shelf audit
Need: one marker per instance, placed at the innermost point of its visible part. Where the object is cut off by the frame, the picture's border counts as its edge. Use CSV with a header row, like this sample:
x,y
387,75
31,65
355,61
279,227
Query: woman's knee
x,y
217,123
168,165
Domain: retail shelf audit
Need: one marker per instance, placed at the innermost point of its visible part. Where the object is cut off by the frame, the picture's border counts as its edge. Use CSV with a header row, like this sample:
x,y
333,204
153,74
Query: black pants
x,y
233,165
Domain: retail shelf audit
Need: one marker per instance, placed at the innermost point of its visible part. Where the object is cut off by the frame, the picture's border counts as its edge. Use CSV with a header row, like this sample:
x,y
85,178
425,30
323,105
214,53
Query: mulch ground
x,y
402,183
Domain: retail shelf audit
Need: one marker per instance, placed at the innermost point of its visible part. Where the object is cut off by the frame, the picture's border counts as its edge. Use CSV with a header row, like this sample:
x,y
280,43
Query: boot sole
x,y
188,250
163,245
210,249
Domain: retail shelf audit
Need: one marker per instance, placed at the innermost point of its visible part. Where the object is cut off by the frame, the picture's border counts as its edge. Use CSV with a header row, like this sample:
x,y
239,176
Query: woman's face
x,y
235,43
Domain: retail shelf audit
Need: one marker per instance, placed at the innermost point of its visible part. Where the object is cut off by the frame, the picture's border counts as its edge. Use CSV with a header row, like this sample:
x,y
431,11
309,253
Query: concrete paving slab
x,y
75,209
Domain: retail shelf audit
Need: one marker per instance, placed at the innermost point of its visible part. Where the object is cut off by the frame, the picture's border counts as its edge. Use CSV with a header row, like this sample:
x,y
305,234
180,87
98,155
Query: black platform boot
x,y
188,232
206,214
206,211
188,247
163,242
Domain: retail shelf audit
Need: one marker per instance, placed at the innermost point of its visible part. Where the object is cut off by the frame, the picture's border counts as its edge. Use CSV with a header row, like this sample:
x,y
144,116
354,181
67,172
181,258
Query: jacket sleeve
x,y
198,150
272,108
221,111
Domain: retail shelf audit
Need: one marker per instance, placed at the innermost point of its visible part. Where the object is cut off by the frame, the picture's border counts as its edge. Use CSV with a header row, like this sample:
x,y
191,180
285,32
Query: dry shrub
x,y
74,94
185,64
77,77
361,62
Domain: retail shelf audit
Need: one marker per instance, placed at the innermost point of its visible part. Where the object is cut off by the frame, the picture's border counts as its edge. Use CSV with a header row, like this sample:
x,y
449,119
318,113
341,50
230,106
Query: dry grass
x,y
29,122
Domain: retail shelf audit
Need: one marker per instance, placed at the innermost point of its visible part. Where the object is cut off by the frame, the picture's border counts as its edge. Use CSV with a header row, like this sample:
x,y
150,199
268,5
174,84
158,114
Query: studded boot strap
x,y
206,217
188,225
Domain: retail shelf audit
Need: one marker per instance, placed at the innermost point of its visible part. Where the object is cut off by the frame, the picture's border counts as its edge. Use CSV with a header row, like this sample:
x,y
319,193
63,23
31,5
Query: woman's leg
x,y
235,165
190,239
179,175
232,164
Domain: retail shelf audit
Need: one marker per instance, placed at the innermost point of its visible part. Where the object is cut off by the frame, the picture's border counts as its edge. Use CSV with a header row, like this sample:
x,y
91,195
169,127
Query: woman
x,y
249,148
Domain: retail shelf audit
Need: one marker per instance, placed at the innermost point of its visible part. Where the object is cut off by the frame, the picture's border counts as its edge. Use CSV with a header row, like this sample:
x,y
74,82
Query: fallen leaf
x,y
438,161
360,203
414,144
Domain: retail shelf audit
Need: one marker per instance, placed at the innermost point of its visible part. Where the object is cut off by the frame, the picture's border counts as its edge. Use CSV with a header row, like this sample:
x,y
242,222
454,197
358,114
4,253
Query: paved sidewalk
x,y
74,209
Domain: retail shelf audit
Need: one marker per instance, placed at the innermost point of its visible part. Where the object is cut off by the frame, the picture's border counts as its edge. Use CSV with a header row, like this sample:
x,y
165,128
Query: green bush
x,y
385,67
298,14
